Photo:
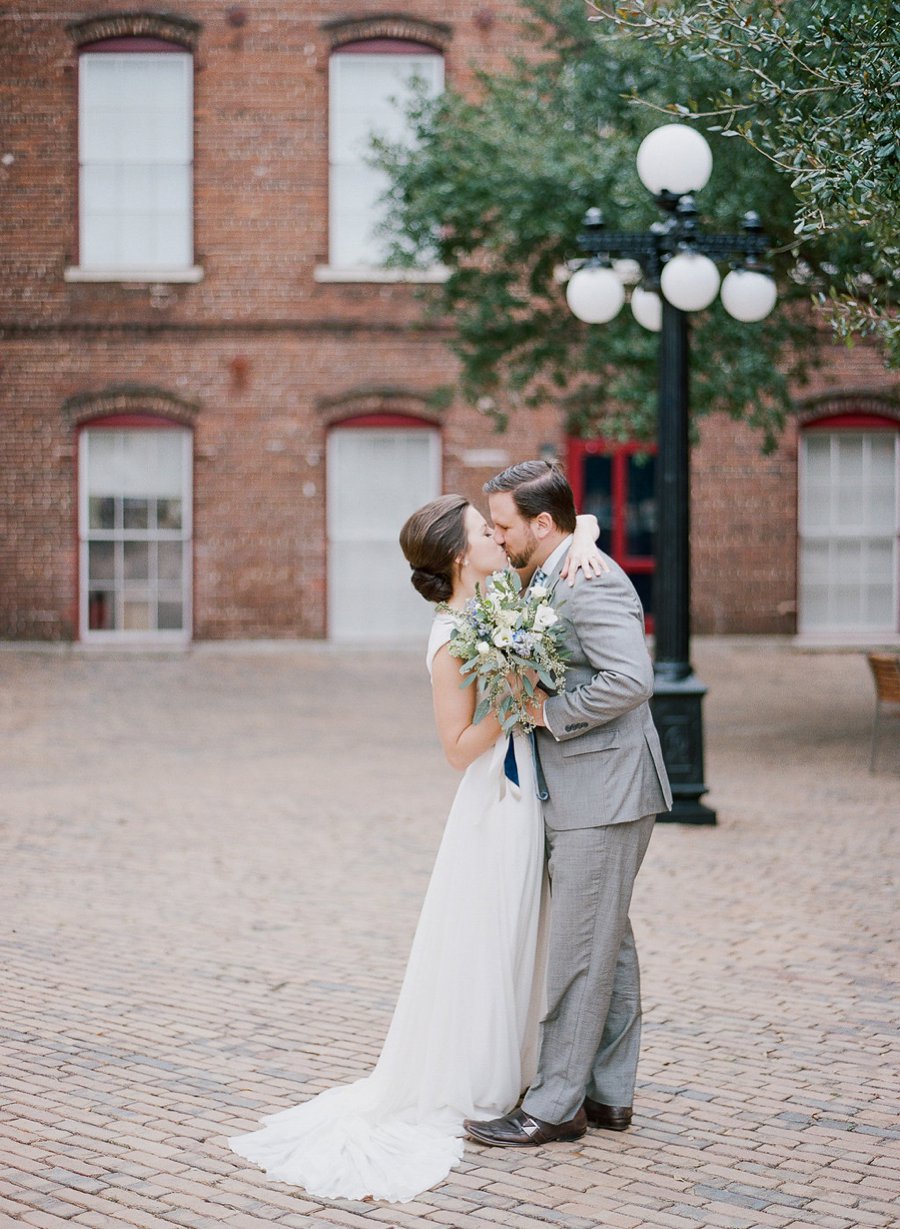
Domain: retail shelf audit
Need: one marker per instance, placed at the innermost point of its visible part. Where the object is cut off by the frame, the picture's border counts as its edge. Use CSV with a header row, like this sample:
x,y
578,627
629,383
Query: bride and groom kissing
x,y
523,974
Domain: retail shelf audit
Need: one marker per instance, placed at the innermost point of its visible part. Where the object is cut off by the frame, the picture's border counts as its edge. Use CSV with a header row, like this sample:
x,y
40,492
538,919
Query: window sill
x,y
435,275
143,277
133,642
847,641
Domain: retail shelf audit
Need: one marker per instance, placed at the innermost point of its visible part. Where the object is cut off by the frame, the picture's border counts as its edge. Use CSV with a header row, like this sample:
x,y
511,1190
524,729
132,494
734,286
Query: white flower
x,y
483,647
538,591
507,618
502,638
545,616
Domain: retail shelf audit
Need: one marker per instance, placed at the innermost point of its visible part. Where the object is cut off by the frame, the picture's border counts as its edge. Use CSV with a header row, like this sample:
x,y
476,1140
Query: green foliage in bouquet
x,y
506,639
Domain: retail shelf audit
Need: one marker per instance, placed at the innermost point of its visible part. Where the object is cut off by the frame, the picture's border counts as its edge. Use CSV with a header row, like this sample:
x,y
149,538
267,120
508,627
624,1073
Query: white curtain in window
x,y
368,95
376,477
849,528
135,139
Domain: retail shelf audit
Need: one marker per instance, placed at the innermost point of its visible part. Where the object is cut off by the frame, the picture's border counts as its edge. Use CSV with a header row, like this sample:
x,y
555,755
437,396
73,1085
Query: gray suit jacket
x,y
600,754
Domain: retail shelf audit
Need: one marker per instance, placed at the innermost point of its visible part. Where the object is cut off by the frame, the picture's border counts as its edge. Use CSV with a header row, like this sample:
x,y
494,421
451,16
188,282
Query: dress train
x,y
463,1038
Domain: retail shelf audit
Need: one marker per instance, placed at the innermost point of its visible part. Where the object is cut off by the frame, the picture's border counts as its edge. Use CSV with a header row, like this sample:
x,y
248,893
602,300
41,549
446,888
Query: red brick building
x,y
218,406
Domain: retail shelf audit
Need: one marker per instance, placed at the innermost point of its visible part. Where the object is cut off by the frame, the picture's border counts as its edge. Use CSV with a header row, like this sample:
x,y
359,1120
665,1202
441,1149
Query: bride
x,y
463,1039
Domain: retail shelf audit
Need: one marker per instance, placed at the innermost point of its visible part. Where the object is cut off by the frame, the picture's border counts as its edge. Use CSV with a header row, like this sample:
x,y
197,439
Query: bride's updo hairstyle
x,y
433,539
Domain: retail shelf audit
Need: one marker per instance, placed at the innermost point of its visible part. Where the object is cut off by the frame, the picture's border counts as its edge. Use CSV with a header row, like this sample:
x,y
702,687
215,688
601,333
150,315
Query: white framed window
x,y
134,522
135,164
368,95
849,527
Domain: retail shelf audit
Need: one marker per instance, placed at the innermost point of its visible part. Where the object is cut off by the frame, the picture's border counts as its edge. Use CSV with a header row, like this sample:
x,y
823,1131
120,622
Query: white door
x,y
848,532
377,476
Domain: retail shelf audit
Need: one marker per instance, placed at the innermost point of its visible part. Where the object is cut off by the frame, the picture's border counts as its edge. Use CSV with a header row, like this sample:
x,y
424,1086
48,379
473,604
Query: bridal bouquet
x,y
505,637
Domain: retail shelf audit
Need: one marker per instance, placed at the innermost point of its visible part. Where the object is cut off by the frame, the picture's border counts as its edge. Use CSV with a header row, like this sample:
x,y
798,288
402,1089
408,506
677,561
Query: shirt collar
x,y
555,558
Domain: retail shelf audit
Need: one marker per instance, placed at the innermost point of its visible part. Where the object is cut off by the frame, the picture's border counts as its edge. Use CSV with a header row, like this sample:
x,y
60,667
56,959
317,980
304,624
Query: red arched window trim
x,y
384,420
835,422
151,421
385,46
136,43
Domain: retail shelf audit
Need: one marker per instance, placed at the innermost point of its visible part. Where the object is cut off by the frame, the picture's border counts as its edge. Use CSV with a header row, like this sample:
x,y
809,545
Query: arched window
x,y
135,151
371,82
849,484
134,529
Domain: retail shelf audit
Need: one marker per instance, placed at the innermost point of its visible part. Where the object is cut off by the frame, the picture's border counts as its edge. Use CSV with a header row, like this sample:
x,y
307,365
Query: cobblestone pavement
x,y
211,866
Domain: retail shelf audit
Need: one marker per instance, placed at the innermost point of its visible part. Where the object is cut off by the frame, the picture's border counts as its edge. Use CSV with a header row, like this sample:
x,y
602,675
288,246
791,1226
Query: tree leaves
x,y
496,187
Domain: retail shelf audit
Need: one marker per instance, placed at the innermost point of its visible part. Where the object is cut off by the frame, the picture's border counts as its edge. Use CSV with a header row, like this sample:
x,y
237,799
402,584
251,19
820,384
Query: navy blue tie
x,y
510,767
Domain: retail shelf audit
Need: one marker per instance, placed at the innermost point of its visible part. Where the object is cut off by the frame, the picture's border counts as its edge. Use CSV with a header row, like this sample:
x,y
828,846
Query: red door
x,y
617,482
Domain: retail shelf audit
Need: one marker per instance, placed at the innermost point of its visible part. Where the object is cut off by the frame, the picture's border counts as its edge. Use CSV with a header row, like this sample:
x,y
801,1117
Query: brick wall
x,y
263,354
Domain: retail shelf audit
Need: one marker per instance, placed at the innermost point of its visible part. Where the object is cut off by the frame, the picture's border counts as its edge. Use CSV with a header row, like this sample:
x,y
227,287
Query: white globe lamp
x,y
646,307
690,281
748,295
595,294
674,158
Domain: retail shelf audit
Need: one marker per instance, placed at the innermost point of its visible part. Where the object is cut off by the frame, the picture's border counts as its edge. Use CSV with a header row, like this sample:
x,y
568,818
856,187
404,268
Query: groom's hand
x,y
535,706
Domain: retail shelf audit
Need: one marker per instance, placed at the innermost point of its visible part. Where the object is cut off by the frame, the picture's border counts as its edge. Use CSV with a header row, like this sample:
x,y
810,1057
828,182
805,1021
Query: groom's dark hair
x,y
536,487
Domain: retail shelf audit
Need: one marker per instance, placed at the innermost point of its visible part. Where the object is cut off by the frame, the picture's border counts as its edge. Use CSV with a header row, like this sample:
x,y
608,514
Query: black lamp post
x,y
679,276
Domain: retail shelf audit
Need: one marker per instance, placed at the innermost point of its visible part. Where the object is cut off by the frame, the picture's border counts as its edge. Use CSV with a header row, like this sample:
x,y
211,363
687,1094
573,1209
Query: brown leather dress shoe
x,y
520,1130
607,1117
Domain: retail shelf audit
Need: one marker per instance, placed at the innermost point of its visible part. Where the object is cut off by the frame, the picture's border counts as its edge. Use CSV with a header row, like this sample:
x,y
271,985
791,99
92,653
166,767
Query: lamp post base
x,y
678,715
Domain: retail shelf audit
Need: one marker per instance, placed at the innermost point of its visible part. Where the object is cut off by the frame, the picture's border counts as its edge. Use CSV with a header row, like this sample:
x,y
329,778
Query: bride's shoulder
x,y
441,631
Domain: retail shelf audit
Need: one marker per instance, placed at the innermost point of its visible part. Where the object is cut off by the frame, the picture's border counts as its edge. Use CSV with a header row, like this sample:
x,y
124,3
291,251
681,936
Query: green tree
x,y
495,187
813,86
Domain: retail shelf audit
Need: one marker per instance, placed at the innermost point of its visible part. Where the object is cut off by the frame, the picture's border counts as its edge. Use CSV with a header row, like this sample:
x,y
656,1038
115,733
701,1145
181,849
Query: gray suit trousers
x,y
590,1036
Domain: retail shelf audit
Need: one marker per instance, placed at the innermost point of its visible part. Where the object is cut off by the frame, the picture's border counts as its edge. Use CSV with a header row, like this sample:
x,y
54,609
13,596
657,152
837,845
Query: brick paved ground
x,y
211,867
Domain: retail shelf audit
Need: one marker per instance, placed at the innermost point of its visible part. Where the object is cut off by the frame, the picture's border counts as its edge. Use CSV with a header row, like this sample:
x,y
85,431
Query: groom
x,y
604,772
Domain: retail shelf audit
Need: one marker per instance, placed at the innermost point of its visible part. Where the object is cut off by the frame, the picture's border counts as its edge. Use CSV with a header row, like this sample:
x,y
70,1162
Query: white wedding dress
x,y
463,1038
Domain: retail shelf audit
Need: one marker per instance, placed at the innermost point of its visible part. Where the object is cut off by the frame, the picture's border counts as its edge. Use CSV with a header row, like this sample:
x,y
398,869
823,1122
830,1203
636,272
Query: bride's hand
x,y
584,553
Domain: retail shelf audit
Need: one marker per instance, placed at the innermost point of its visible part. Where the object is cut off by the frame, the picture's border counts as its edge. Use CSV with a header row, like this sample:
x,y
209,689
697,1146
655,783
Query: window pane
x,y
640,509
354,215
598,496
101,512
849,458
99,188
168,462
102,560
816,508
169,616
136,246
815,556
168,513
136,616
101,610
136,560
136,513
643,583
171,240
818,457
169,566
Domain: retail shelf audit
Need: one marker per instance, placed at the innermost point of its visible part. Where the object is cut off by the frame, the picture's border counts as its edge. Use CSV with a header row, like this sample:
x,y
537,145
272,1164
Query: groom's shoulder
x,y
613,587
